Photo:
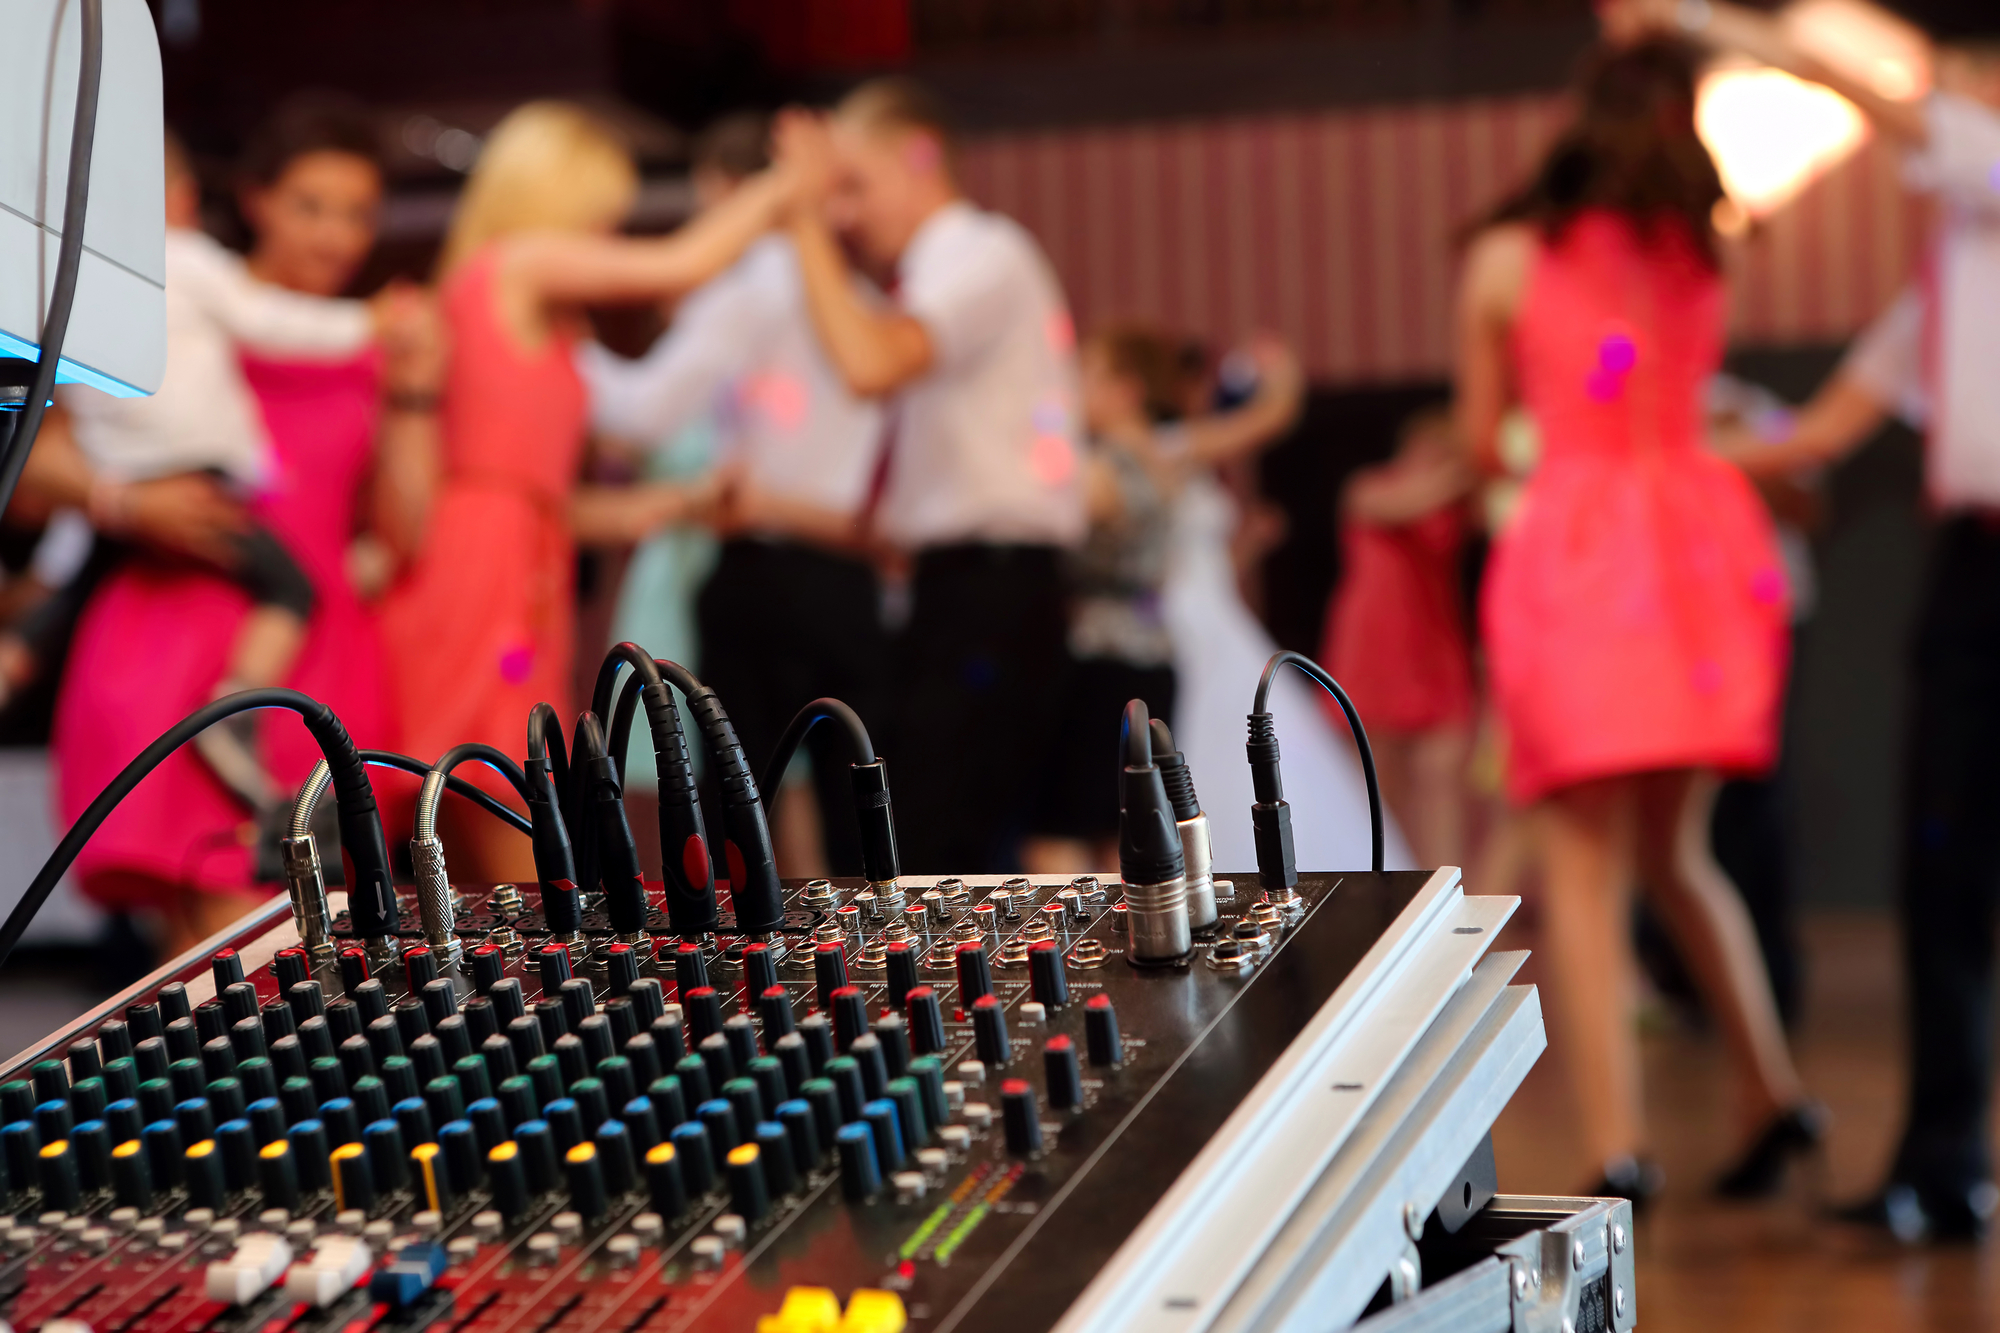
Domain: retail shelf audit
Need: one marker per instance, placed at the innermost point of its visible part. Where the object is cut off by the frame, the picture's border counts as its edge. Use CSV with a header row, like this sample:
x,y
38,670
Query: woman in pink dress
x,y
480,628
154,638
1635,609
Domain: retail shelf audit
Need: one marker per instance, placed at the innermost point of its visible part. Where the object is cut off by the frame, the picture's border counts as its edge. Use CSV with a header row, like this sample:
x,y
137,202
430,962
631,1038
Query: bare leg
x,y
1585,837
1709,923
795,829
1057,856
266,646
1436,796
1392,773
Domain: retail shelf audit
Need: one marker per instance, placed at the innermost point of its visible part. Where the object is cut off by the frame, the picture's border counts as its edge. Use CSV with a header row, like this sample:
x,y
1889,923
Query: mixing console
x,y
945,1109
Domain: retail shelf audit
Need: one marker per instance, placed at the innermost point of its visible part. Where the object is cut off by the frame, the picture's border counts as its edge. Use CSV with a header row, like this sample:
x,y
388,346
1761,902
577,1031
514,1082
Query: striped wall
x,y
1338,229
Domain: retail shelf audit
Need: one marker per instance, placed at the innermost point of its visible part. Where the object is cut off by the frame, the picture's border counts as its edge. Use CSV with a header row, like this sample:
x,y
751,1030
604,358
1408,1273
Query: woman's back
x,y
509,413
1618,332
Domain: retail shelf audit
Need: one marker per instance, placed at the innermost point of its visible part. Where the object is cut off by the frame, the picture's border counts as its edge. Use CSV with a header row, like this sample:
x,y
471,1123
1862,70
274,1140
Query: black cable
x,y
874,812
814,713
371,902
645,669
497,760
69,261
548,782
746,833
1264,768
687,868
457,786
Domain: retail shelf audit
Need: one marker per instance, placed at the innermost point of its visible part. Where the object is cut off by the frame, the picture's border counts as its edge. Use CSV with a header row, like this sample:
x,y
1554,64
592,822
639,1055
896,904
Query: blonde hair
x,y
548,166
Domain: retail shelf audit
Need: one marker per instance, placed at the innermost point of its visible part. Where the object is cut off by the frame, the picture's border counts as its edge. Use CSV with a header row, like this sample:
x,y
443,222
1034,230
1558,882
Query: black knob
x,y
894,1035
741,1034
501,1061
701,1008
209,1020
586,1181
578,1004
151,1057
509,1180
353,967
989,1032
790,1052
670,1035
344,1017
411,1021
553,1018
420,967
218,1059
1064,1079
717,1059
902,972
695,1155
310,1155
413,1117
595,1034
621,967
183,1042
524,1034
173,1001
278,1174
975,977
690,968
481,1020
114,1036
489,963
540,1152
799,1122
844,1073
881,1119
238,1144
357,1058
691,1072
648,1002
1100,1030
774,1150
1021,1117
440,1000
644,1055
371,997
866,1052
849,1008
292,967
85,1060
759,972
571,1059
749,1193
860,1173
553,960
928,1071
145,1021
430,1173
663,1181
316,1038
1046,977
131,1177
427,1054
226,966
774,1008
62,1184
385,1039
817,1033
508,1002
910,1113
925,1015
829,972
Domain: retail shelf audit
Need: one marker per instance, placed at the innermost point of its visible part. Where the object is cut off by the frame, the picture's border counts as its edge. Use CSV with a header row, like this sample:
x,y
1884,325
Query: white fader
x,y
117,331
336,1265
260,1260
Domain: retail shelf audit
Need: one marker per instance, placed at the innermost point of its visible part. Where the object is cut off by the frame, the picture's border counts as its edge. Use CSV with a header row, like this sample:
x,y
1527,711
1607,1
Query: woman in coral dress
x,y
480,628
1635,608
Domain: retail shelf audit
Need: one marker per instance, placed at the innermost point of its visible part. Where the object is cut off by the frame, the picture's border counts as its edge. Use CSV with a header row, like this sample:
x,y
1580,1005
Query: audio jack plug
x,y
548,776
1192,824
1271,815
881,864
1150,861
617,854
687,871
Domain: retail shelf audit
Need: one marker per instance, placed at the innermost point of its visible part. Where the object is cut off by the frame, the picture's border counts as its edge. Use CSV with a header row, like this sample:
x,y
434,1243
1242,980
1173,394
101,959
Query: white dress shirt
x,y
204,416
986,442
742,348
1950,354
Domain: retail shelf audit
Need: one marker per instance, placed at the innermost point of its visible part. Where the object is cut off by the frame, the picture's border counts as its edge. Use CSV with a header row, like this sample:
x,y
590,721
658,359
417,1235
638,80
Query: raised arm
x,y
1489,292
272,320
1220,437
1764,38
711,341
876,350
567,268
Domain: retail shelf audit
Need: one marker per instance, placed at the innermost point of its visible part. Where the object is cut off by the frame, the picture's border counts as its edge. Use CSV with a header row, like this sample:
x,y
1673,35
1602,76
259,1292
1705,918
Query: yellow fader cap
x,y
870,1310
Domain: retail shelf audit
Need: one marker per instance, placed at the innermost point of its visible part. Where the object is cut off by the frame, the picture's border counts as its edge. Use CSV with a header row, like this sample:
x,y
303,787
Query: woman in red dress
x,y
1635,608
481,626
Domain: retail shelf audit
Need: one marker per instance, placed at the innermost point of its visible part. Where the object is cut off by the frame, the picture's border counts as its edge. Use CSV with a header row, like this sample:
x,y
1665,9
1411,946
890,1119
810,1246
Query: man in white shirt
x,y
980,480
1931,359
792,611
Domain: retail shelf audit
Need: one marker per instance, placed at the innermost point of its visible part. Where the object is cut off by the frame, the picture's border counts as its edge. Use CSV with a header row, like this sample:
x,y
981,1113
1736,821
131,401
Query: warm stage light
x,y
1772,134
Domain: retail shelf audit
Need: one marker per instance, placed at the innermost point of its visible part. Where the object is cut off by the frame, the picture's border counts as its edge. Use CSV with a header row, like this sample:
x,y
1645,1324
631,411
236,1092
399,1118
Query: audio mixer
x,y
1163,1098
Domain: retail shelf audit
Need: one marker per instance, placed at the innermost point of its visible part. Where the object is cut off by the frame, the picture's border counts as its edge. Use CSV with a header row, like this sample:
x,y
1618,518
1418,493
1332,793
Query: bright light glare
x,y
1773,134
1867,44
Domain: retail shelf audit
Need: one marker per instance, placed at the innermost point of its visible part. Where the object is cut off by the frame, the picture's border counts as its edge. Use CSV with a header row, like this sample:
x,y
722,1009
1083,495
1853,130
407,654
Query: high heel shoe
x,y
1637,1179
1760,1171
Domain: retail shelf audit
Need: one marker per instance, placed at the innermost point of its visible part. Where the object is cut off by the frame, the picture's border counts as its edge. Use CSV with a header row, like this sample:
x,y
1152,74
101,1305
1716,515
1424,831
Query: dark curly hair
x,y
1632,148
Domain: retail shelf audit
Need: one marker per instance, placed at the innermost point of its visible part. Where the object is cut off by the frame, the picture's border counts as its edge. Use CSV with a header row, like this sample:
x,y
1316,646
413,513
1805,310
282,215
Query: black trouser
x,y
977,676
782,625
1952,863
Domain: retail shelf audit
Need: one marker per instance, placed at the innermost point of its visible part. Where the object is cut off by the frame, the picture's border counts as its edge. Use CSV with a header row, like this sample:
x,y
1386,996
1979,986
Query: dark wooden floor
x,y
1709,1268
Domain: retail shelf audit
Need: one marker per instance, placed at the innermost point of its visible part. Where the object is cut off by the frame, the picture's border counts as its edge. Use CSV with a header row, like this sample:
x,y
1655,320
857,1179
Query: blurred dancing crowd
x,y
870,457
